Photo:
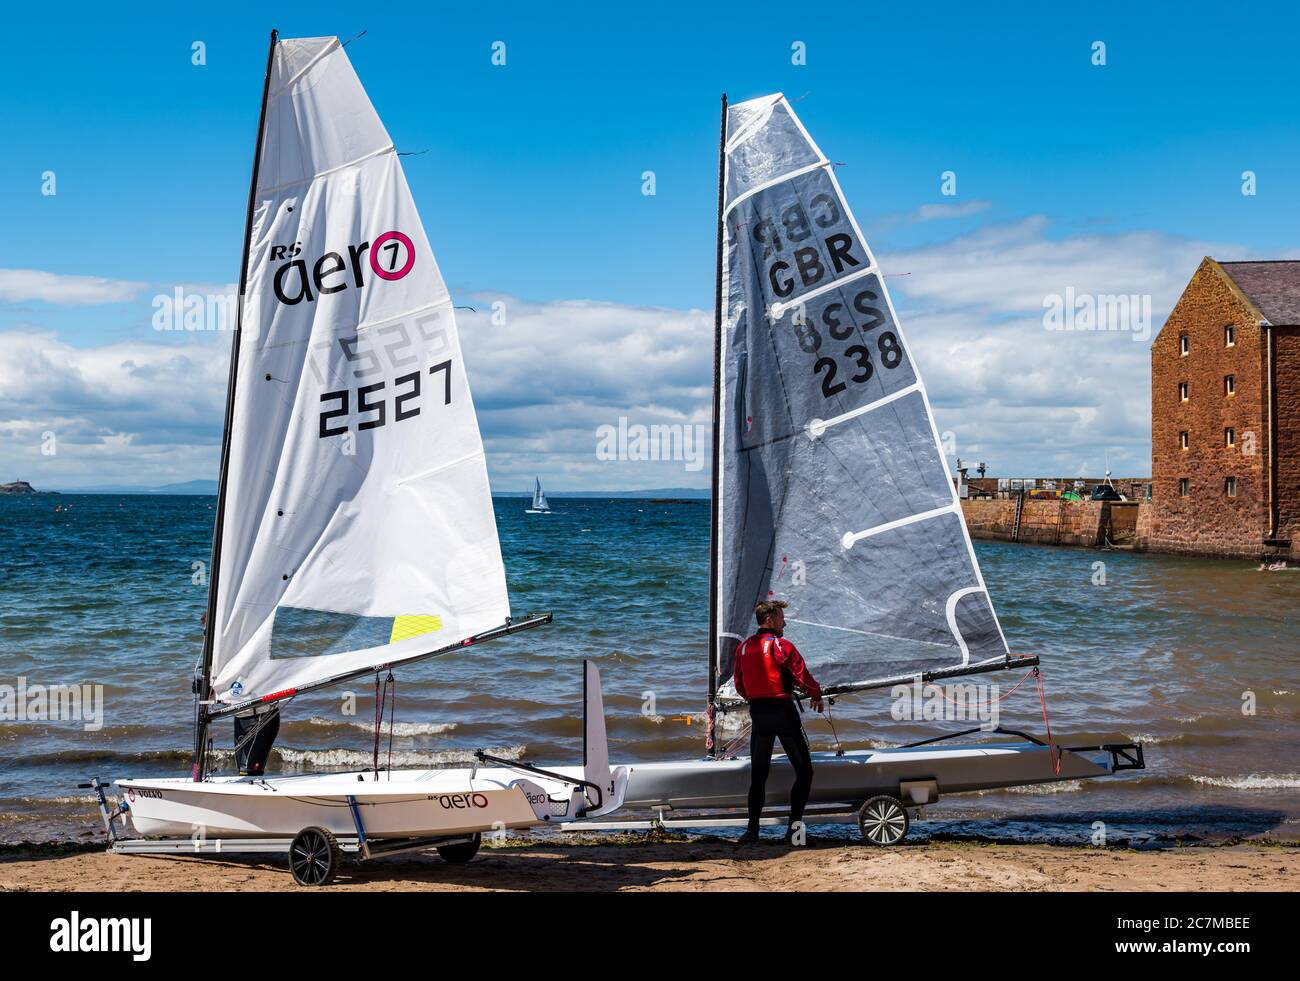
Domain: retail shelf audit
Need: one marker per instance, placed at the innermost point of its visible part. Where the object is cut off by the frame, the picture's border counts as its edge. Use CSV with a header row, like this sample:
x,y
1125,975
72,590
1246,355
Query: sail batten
x,y
358,528
832,490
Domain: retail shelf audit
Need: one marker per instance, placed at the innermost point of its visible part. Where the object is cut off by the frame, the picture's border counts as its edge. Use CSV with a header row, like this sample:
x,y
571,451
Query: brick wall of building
x,y
1208,521
1286,351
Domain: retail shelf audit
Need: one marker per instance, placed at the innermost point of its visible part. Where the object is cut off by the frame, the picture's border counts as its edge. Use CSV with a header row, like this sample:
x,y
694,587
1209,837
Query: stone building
x,y
1225,414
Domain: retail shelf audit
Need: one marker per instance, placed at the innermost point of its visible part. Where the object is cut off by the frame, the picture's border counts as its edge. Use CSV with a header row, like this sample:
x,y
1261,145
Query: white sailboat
x,y
827,458
539,505
355,529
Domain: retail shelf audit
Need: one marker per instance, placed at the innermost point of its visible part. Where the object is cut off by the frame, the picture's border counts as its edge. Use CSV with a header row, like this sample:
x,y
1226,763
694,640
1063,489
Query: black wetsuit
x,y
777,718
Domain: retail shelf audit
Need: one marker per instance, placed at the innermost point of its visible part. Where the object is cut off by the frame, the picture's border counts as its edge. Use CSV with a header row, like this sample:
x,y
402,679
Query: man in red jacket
x,y
768,668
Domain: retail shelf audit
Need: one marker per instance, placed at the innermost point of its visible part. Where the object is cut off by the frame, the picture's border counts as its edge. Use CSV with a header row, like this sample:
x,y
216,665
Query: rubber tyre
x,y
314,857
461,853
883,821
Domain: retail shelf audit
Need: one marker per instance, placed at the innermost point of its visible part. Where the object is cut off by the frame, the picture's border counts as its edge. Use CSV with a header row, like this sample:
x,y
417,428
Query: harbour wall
x,y
1091,524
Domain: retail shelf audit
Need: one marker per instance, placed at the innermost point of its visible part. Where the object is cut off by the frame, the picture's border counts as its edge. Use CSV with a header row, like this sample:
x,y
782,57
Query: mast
x,y
202,684
714,503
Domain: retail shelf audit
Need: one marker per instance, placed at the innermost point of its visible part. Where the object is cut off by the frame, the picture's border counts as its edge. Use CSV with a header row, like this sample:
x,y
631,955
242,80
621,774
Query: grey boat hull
x,y
915,775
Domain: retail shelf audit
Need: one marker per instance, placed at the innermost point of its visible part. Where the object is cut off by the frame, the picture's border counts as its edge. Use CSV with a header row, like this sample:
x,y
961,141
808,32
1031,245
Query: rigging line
x,y
351,39
1051,746
392,715
379,714
1028,674
839,748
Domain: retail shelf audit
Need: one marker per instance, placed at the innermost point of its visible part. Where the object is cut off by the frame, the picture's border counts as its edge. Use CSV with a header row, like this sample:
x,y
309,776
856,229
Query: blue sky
x,y
530,188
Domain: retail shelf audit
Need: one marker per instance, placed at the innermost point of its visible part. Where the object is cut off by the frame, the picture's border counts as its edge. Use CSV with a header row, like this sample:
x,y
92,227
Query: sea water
x,y
1198,659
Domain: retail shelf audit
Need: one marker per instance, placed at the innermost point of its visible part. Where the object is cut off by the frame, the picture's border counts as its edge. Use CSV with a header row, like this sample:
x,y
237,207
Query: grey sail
x,y
832,492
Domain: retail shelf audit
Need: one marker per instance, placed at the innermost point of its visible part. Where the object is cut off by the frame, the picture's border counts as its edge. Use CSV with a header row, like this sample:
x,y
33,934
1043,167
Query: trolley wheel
x,y
314,857
461,852
883,820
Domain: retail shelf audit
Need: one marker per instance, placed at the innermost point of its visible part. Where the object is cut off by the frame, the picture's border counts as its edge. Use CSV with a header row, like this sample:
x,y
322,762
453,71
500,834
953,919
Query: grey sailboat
x,y
831,491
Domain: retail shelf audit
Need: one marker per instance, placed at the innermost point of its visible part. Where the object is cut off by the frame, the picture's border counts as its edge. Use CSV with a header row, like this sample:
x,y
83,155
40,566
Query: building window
x,y
1182,391
1229,385
1230,437
1184,486
1182,441
1230,336
1184,345
1230,486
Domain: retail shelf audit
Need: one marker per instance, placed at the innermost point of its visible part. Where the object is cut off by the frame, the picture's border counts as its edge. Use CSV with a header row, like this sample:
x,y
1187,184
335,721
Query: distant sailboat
x,y
539,499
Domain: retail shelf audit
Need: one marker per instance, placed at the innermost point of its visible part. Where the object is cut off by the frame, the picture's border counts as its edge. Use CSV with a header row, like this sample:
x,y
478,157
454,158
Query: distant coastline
x,y
22,487
208,488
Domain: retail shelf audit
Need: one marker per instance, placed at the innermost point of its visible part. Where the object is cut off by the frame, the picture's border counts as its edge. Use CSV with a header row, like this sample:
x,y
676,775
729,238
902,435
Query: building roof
x,y
1273,285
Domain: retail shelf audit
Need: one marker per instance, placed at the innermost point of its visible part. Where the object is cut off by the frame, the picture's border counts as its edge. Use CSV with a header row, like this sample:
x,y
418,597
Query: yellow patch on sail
x,y
404,628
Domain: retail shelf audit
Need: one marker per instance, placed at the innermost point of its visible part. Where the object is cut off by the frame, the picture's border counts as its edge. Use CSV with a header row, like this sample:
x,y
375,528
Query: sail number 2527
x,y
372,401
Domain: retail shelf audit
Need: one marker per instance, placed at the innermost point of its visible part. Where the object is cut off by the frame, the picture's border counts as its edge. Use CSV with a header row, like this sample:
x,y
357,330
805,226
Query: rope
x,y
379,717
1027,676
839,750
392,713
1051,746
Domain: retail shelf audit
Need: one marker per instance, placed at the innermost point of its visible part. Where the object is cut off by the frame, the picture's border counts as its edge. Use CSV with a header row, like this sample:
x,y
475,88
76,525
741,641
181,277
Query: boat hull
x,y
418,803
855,776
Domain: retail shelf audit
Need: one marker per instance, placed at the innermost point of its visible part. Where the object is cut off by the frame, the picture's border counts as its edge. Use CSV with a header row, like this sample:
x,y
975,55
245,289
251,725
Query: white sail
x,y
833,490
539,499
357,525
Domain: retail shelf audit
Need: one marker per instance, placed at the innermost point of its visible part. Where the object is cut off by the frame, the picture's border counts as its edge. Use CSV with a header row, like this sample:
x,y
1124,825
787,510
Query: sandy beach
x,y
695,865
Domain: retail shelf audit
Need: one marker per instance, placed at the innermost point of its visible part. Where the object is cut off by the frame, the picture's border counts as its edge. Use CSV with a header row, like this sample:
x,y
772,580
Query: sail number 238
x,y
372,401
842,328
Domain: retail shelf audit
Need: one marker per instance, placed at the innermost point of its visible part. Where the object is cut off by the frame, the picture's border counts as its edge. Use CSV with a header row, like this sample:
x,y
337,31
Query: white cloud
x,y
548,377
1022,398
1019,397
130,413
24,285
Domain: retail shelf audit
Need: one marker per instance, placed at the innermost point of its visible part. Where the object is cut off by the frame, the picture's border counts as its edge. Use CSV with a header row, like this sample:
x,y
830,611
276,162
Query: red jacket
x,y
763,664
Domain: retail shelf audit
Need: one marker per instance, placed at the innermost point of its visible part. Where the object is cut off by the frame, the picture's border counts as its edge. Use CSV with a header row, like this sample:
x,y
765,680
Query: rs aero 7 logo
x,y
390,256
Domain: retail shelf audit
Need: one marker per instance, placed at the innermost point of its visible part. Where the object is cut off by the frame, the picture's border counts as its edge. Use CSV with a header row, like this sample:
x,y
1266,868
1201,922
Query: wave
x,y
1060,787
398,729
355,760
1183,738
1255,781
105,756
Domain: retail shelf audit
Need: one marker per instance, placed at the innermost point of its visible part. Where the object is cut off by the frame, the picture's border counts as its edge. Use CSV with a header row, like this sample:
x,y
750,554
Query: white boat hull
x,y
410,803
